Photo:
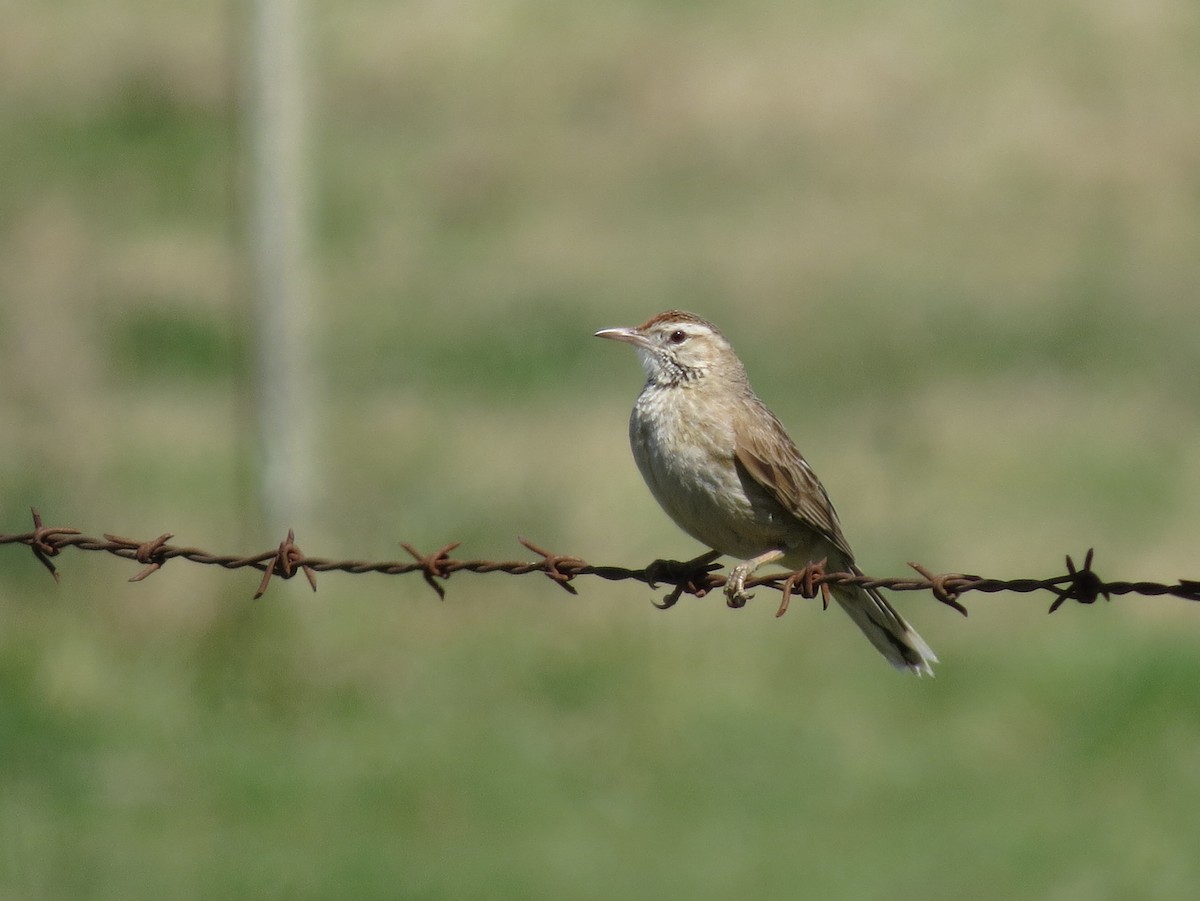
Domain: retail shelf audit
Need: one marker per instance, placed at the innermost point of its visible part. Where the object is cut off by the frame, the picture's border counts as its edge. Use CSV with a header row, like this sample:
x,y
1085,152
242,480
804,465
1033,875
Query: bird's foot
x,y
735,586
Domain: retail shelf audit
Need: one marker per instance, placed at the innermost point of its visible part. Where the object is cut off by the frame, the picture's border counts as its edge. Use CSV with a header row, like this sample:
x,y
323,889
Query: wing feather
x,y
772,460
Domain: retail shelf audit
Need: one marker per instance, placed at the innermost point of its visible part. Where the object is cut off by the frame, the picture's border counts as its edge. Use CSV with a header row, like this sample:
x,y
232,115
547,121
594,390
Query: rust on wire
x,y
437,565
42,541
552,565
946,587
809,580
147,553
286,562
694,577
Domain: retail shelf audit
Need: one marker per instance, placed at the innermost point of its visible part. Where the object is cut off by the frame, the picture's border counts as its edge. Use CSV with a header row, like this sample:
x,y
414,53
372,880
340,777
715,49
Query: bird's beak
x,y
628,335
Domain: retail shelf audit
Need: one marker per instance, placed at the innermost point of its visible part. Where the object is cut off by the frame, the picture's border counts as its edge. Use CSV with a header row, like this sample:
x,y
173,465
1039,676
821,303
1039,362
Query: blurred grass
x,y
958,250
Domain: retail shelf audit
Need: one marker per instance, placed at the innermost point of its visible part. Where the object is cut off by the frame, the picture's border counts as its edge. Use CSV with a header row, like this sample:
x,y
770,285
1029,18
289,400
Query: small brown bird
x,y
721,465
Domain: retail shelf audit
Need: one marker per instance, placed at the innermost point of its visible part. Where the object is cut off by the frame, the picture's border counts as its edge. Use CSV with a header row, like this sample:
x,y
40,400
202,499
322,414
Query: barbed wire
x,y
695,577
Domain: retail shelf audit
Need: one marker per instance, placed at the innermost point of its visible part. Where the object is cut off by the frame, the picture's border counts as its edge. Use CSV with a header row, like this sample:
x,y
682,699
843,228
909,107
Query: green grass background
x,y
958,247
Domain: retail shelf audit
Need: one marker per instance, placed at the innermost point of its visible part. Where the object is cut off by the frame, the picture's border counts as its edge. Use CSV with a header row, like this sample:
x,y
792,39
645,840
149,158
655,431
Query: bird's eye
x,y
678,336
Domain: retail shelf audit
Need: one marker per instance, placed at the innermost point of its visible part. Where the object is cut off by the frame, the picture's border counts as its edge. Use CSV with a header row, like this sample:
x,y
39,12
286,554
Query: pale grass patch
x,y
196,268
72,56
1009,469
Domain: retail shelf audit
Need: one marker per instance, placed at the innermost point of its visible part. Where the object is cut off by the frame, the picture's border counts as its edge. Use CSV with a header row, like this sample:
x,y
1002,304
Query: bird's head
x,y
678,347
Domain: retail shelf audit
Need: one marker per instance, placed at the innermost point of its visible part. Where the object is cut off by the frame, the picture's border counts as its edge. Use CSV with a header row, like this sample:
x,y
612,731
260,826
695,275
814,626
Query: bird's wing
x,y
773,461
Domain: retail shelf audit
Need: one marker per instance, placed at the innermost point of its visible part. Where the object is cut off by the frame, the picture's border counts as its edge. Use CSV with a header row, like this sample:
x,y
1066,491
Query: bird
x,y
723,467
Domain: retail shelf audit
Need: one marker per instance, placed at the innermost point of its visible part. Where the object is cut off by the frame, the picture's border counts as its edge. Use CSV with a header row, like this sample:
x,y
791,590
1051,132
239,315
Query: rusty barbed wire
x,y
696,577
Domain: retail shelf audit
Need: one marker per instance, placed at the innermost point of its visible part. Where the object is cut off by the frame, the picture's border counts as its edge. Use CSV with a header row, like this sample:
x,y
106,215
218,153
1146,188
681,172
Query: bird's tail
x,y
886,629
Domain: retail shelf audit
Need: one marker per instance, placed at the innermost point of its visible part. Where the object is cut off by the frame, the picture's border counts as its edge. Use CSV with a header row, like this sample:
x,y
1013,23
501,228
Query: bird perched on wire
x,y
724,469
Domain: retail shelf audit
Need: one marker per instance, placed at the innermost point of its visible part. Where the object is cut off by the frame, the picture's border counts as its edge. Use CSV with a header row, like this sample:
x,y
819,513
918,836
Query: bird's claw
x,y
736,595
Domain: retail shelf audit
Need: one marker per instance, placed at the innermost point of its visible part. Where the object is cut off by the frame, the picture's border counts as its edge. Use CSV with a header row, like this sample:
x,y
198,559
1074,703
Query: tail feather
x,y
886,629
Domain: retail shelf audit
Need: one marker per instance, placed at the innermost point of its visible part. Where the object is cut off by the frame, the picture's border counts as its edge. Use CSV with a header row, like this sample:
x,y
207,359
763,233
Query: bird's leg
x,y
735,585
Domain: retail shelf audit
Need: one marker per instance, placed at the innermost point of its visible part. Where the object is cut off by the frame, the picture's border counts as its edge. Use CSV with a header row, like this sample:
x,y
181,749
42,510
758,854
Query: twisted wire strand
x,y
695,577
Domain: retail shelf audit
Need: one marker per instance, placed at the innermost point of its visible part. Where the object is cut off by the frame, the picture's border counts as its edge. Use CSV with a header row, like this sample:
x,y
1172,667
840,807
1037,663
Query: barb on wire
x,y
285,563
42,542
148,553
695,577
433,566
807,581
